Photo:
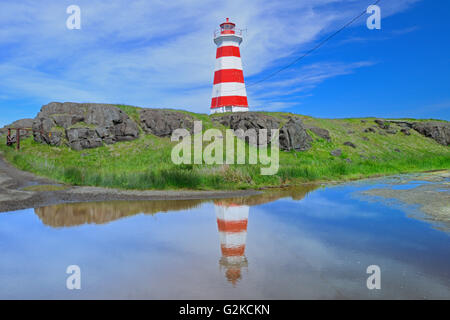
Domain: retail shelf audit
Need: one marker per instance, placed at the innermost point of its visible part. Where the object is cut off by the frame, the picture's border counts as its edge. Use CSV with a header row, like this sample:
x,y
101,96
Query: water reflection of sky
x,y
316,247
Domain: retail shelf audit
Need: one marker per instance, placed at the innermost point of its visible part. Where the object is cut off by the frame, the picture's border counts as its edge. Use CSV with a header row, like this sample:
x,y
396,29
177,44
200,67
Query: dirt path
x,y
18,191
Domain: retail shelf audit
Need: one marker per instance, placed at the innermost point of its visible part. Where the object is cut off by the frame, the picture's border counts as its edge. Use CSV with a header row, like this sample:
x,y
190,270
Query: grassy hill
x,y
146,163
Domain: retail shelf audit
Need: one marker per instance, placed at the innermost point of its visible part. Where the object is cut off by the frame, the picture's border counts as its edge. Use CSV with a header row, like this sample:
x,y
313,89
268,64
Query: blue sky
x,y
161,54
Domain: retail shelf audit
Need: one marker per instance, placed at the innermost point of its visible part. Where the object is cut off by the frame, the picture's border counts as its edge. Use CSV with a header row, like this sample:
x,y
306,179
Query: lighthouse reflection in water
x,y
232,220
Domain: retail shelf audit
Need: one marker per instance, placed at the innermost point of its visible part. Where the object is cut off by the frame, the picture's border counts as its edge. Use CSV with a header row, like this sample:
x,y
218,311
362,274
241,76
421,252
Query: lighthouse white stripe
x,y
228,43
229,89
228,63
232,213
232,239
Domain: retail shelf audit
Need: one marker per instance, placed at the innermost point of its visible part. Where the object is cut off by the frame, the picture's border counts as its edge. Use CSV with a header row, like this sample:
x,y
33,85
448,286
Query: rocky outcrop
x,y
382,124
83,125
293,135
162,123
439,131
248,120
83,138
436,130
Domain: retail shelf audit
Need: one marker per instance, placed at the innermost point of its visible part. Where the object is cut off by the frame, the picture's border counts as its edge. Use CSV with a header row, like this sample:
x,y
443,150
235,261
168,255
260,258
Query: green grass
x,y
45,187
133,112
146,163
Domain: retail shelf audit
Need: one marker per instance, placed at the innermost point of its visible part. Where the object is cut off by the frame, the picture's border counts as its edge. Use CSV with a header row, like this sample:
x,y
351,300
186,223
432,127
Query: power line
x,y
320,44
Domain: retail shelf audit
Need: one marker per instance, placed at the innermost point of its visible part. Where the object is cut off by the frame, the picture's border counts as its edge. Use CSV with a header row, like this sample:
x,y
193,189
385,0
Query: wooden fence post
x,y
18,139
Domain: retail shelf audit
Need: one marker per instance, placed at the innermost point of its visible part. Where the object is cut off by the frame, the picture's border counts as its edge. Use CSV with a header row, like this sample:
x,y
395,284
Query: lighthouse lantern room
x,y
229,94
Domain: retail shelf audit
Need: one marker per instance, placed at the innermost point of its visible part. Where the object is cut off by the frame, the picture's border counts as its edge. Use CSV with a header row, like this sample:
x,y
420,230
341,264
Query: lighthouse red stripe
x,y
233,251
228,75
228,51
238,101
232,226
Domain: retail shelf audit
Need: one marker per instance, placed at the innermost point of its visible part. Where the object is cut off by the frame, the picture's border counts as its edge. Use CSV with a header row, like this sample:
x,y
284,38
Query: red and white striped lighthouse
x,y
229,94
232,223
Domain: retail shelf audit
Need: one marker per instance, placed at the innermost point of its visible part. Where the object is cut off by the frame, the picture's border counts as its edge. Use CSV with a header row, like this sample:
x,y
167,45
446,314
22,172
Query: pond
x,y
308,242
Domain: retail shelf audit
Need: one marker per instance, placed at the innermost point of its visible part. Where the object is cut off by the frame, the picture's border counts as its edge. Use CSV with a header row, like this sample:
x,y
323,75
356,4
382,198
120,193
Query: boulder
x,y
323,133
391,131
349,144
83,125
247,121
293,136
162,122
405,131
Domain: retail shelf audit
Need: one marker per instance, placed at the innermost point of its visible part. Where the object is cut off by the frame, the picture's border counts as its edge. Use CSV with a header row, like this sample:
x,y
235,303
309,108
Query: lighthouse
x,y
229,94
232,224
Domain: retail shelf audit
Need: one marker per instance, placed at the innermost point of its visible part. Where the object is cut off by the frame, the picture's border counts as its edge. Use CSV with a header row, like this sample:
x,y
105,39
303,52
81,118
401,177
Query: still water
x,y
313,242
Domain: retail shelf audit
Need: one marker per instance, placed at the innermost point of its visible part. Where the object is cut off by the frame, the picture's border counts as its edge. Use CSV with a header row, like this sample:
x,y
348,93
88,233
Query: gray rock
x,y
249,120
382,123
348,160
436,130
439,131
293,136
350,144
391,131
43,131
323,133
83,138
162,123
336,152
250,123
103,124
66,120
406,131
370,129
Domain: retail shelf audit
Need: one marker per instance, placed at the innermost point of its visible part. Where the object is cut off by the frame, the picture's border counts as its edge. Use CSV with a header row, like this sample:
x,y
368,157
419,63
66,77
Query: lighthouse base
x,y
229,109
